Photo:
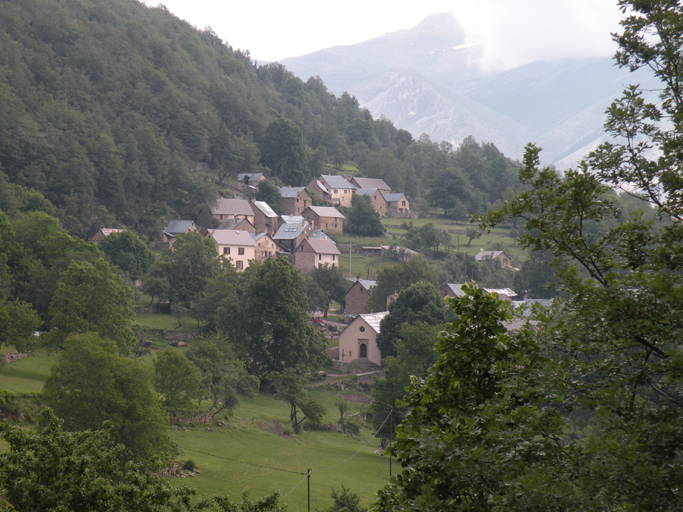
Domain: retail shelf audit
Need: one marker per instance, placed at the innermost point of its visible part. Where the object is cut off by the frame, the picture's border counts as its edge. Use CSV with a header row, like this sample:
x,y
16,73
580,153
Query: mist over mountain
x,y
427,80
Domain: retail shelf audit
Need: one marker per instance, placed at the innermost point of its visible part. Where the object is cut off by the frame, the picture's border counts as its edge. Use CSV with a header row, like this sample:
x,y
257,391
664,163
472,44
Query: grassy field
x,y
166,322
251,453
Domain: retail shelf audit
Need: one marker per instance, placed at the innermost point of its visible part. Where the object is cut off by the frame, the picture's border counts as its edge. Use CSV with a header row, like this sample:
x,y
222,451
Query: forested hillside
x,y
122,114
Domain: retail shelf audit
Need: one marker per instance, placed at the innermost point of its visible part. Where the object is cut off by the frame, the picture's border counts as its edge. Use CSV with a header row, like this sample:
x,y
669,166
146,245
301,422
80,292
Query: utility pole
x,y
391,435
350,267
308,476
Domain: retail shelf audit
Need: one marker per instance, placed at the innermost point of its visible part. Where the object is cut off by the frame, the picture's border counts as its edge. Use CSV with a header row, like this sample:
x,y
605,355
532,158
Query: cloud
x,y
514,32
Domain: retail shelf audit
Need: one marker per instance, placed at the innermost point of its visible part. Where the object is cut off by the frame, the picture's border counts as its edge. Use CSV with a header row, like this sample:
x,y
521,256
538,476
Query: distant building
x,y
250,178
371,183
265,247
238,225
265,219
232,209
327,218
357,296
397,203
503,293
359,339
316,252
238,246
499,256
340,190
103,233
294,200
452,290
319,189
376,198
290,235
178,227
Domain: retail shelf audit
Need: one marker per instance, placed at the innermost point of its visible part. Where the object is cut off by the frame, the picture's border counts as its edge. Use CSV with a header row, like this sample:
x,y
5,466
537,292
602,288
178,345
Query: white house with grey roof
x,y
316,252
358,342
235,245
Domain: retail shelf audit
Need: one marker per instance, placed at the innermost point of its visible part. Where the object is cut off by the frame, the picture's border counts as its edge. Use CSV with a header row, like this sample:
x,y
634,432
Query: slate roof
x,y
231,237
393,197
365,283
253,176
265,209
365,183
232,224
366,192
373,319
319,233
326,211
335,181
293,219
501,291
322,246
456,289
232,207
176,227
291,191
289,231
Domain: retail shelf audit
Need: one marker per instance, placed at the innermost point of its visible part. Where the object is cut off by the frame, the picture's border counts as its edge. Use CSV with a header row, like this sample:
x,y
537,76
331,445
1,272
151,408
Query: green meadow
x,y
255,452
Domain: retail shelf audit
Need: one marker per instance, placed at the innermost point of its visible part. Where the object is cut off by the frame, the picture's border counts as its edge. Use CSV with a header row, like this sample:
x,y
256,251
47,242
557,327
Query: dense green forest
x,y
121,114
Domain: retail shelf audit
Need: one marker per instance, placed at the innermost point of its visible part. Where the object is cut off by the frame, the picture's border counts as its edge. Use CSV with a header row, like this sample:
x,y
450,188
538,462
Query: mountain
x,y
427,80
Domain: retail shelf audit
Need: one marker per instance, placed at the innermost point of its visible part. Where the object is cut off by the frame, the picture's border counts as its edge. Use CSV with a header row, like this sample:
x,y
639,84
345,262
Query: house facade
x,y
376,198
265,219
238,225
397,203
357,296
316,252
232,209
235,245
359,339
452,290
327,218
294,200
341,191
265,247
291,234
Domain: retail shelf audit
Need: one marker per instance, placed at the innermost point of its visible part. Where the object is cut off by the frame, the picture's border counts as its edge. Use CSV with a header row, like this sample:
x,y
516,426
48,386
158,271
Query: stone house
x,y
177,227
499,256
358,341
316,252
452,290
265,219
235,245
317,188
232,209
294,200
340,190
397,203
265,247
376,198
357,296
291,234
327,218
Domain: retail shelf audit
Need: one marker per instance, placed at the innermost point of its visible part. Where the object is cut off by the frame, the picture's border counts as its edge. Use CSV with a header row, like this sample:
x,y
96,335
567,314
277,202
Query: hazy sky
x,y
514,32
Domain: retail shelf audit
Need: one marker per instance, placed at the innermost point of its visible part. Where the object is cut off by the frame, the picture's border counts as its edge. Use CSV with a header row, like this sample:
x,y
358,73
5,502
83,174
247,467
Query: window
x,y
320,256
361,329
226,250
240,251
239,265
403,203
334,257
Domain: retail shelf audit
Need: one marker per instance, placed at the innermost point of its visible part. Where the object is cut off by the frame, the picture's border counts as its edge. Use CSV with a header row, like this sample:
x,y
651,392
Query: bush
x,y
189,465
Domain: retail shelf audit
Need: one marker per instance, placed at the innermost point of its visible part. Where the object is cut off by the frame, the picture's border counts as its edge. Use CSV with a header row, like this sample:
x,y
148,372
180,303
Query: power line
x,y
244,462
